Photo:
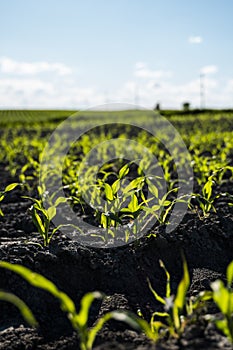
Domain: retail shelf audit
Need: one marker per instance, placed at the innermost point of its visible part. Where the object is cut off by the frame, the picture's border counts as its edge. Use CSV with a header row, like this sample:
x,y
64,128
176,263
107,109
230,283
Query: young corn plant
x,y
222,171
29,172
223,297
120,206
78,320
123,199
3,193
42,217
163,207
206,200
178,309
110,215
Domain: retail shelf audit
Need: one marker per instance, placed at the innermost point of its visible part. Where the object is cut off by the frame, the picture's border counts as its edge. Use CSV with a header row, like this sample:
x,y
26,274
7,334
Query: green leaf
x,y
221,296
37,201
182,288
40,191
37,221
104,220
11,187
60,200
108,192
135,322
43,211
134,184
166,203
122,316
86,302
123,171
116,186
203,296
223,327
51,212
153,189
156,326
230,274
207,189
157,297
153,209
25,167
134,203
58,228
168,286
161,314
23,308
41,282
162,201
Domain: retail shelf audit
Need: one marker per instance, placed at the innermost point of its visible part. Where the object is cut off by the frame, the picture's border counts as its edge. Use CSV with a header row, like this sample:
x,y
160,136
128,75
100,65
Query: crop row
x,y
120,195
115,192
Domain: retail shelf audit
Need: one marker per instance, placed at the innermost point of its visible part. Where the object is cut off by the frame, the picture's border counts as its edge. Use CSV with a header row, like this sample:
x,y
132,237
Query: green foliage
x,y
223,297
178,308
8,188
78,320
42,216
174,306
128,196
206,200
163,207
23,308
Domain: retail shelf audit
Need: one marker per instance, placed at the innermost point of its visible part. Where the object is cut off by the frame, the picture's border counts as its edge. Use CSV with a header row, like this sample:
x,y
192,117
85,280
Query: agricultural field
x,y
116,230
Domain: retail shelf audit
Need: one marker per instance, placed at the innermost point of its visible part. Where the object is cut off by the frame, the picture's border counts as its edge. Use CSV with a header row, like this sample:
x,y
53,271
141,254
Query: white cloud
x,y
140,65
141,71
38,93
26,85
170,94
9,66
211,69
229,85
147,88
195,39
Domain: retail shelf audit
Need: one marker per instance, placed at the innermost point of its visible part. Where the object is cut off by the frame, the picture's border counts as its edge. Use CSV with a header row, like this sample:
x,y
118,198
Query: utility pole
x,y
202,91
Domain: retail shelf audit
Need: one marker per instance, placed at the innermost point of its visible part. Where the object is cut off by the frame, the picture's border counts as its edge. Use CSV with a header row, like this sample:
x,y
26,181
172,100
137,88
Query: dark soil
x,y
121,273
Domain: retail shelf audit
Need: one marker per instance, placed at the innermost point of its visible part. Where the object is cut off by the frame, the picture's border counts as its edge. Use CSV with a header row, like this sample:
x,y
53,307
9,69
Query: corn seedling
x,y
78,320
206,200
178,309
8,188
42,217
123,199
162,209
223,297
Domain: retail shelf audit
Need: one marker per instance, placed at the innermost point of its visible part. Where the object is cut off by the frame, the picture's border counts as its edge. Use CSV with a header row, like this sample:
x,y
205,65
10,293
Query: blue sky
x,y
72,53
